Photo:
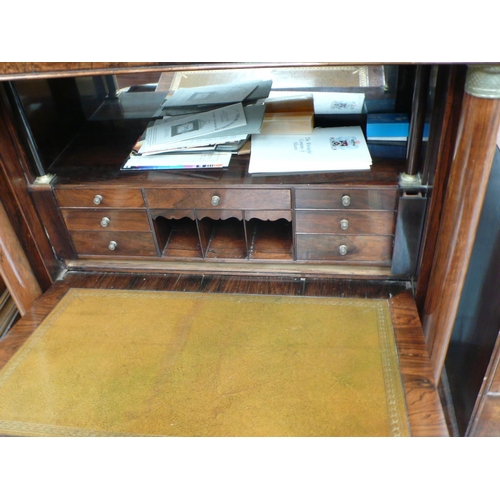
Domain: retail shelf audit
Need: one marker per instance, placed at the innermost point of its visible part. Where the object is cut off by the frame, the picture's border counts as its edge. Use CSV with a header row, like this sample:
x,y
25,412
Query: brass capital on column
x,y
483,80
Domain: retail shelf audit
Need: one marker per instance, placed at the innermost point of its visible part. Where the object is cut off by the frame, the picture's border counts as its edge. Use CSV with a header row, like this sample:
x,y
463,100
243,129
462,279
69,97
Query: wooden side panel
x,y
441,156
15,268
46,204
479,124
15,178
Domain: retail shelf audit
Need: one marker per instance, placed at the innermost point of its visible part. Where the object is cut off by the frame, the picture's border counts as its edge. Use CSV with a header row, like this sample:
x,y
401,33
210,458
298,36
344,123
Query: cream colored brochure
x,y
326,149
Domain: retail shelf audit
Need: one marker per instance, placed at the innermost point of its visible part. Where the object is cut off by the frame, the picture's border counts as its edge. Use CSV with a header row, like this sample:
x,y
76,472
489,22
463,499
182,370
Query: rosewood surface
x,y
449,95
15,269
424,409
476,143
15,177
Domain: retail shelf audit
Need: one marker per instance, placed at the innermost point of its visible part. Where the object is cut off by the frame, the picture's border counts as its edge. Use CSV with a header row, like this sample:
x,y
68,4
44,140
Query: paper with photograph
x,y
171,130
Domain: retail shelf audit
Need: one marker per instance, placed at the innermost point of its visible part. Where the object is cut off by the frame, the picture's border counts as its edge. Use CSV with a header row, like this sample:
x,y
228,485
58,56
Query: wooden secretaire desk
x,y
408,223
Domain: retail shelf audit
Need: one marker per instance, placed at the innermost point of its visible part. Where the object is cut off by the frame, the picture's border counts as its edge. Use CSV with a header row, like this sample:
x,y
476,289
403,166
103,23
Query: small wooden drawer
x,y
232,199
114,243
346,199
376,222
337,248
105,220
102,198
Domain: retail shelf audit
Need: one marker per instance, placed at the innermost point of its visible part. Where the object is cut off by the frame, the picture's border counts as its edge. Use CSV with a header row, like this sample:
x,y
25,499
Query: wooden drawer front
x,y
236,199
355,222
102,198
362,199
105,220
128,244
373,249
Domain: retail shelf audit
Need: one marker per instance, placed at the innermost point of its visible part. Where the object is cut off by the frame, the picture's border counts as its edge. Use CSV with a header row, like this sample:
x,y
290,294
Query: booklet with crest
x,y
326,149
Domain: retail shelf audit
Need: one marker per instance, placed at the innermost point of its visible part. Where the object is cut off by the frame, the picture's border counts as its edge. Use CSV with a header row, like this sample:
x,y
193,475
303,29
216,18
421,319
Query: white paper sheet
x,y
326,149
172,130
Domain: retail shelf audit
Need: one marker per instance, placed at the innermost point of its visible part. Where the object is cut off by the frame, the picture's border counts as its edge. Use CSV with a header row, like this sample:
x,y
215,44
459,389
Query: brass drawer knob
x,y
112,245
343,249
346,200
97,199
215,200
105,222
344,224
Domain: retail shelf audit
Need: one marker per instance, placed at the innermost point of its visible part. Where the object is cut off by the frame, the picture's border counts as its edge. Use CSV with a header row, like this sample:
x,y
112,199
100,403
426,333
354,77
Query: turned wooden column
x,y
14,267
469,174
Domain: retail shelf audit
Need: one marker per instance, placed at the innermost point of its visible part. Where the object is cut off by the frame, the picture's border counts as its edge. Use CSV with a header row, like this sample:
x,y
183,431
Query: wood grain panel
x,y
442,148
422,399
15,269
46,204
364,199
16,174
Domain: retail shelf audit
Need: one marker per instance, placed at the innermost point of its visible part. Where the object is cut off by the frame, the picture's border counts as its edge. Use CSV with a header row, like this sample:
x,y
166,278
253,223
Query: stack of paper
x,y
208,130
325,150
205,121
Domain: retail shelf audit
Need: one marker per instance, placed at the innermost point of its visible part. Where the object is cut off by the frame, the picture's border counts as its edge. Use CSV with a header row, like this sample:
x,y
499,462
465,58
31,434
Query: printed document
x,y
325,150
170,130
